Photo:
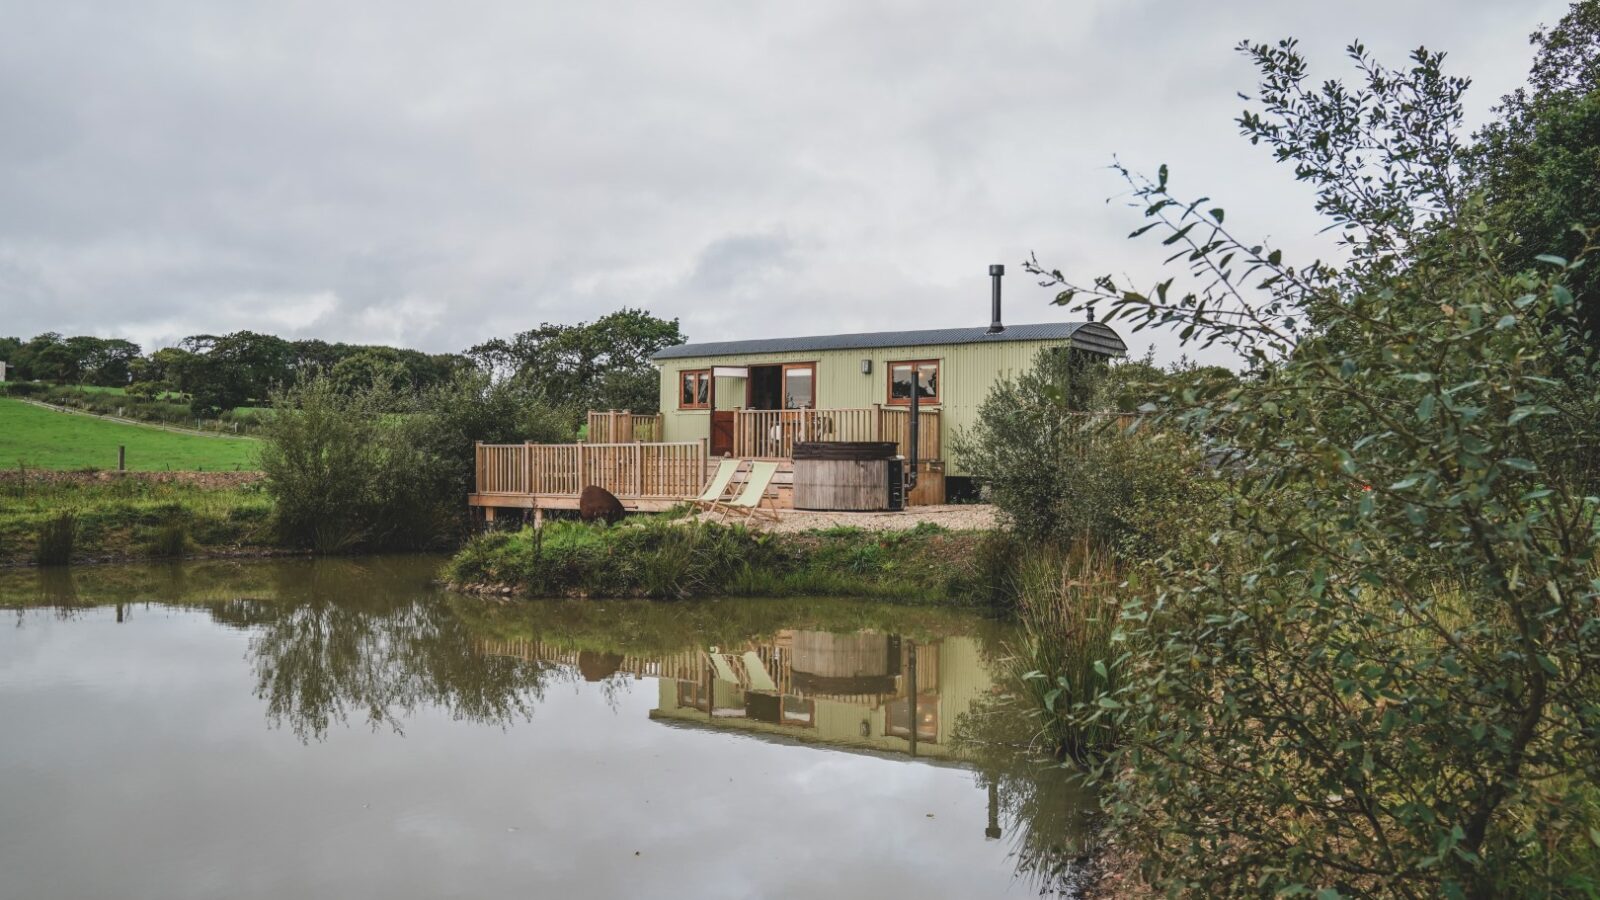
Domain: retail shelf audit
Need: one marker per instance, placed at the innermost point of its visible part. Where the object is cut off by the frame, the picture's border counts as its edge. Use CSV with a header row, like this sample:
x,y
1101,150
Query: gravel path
x,y
964,517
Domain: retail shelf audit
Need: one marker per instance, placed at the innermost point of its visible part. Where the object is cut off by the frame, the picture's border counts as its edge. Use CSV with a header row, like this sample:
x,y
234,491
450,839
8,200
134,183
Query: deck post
x,y
877,421
538,518
911,698
477,465
582,457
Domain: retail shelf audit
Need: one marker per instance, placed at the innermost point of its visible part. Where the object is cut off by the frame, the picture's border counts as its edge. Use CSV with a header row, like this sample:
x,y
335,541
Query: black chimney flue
x,y
996,271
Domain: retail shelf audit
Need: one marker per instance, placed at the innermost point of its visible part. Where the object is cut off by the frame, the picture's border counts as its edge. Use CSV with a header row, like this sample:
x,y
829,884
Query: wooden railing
x,y
772,433
615,426
630,471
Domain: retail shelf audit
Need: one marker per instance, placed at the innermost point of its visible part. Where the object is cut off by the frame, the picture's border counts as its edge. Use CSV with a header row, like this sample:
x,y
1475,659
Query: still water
x,y
344,729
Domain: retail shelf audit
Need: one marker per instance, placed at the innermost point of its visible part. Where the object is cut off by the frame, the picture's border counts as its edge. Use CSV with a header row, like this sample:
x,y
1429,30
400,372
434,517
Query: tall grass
x,y
1070,660
55,538
170,541
665,559
130,517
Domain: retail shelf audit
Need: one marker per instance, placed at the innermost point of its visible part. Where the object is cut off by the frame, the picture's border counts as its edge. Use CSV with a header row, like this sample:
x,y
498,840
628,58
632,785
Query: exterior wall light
x,y
866,367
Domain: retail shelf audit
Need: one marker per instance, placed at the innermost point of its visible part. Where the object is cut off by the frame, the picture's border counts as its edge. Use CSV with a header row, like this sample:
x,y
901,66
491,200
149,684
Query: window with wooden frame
x,y
924,373
800,386
694,389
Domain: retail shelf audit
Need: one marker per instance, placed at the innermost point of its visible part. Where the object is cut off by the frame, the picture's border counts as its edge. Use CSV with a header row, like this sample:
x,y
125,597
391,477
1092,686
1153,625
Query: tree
x,y
107,362
227,371
1379,676
46,357
371,367
9,348
1539,164
604,364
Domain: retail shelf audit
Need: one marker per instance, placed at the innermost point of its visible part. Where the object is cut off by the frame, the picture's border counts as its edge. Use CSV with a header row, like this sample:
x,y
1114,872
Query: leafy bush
x,y
370,468
343,475
1379,675
1060,475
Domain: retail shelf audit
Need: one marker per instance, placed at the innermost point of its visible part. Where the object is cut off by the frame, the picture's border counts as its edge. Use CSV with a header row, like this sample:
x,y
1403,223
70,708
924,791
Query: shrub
x,y
55,538
343,474
1059,475
1378,675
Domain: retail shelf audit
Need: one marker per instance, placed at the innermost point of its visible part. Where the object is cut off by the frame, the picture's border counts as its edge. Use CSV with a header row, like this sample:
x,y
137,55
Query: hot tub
x,y
850,476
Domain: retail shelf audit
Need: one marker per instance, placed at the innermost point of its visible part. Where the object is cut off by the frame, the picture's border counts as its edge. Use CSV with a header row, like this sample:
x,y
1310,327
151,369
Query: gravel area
x,y
964,517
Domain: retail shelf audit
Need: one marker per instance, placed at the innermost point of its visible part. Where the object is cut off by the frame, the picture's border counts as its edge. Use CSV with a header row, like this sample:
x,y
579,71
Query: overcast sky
x,y
435,174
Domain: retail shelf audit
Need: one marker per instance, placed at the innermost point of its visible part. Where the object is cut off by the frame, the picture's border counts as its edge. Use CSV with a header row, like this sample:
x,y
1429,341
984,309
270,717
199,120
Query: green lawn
x,y
40,438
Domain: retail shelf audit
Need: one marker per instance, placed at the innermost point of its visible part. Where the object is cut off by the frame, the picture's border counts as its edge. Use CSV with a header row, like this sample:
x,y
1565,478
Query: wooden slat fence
x,y
772,433
614,426
631,471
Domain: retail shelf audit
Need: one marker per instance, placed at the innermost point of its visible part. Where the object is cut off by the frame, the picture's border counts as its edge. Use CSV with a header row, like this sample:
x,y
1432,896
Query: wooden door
x,y
721,432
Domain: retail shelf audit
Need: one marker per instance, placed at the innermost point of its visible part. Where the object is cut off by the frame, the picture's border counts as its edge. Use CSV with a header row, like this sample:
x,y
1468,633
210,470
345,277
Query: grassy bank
x,y
35,437
657,558
83,517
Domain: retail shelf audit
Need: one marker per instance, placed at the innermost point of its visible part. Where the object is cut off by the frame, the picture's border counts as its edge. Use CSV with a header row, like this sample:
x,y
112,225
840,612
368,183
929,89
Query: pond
x,y
343,728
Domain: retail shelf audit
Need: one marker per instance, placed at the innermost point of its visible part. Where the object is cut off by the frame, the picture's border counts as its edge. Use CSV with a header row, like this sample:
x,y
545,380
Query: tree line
x,y
604,364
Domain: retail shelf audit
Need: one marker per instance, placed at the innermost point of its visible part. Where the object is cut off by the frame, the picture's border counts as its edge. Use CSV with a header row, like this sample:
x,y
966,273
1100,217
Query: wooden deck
x,y
647,477
652,475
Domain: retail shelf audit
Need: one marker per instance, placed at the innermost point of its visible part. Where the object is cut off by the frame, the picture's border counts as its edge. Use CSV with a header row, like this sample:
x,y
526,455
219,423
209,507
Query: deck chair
x,y
748,503
717,489
756,672
721,664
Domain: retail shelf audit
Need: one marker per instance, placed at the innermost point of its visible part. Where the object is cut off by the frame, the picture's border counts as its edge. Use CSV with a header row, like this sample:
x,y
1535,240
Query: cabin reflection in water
x,y
861,690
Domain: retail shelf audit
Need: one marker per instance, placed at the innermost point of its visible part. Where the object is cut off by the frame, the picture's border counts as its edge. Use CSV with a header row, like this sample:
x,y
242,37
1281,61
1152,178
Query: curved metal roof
x,y
1090,336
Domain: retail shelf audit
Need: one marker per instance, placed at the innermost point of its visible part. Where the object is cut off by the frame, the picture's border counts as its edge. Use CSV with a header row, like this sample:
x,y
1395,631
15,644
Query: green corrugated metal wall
x,y
968,371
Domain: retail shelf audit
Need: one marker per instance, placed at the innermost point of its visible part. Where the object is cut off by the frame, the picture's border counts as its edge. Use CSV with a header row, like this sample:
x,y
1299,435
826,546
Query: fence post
x,y
877,421
122,458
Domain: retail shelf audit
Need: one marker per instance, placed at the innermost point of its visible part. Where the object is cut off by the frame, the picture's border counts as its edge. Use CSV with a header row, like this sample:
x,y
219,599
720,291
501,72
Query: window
x,y
800,386
694,389
926,374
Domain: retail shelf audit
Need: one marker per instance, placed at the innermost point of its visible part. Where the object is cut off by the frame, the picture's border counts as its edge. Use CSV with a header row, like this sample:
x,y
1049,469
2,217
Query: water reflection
x,y
333,644
853,689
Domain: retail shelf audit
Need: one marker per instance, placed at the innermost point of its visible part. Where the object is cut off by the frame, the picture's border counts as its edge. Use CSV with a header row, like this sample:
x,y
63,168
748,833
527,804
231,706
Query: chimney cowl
x,y
996,272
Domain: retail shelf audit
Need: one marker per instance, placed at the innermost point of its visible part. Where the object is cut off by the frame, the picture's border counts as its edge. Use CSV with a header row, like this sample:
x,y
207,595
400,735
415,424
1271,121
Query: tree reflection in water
x,y
333,641
342,639
1043,811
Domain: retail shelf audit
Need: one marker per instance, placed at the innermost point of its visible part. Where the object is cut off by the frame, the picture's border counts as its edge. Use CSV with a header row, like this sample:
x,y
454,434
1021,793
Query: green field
x,y
43,439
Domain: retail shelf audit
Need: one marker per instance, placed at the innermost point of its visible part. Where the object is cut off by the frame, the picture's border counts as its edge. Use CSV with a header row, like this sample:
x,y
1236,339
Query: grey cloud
x,y
434,174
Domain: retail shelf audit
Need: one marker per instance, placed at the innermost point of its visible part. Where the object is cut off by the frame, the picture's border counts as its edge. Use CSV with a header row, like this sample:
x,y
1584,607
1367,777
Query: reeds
x,y
1069,661
55,538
